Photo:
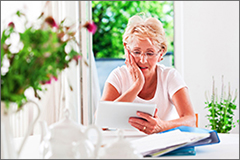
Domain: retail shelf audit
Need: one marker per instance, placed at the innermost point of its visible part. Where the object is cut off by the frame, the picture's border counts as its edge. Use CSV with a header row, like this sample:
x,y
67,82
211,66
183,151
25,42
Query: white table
x,y
228,148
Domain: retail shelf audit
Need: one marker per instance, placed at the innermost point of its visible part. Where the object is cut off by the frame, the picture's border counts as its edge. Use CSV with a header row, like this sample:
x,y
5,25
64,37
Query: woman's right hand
x,y
110,93
136,73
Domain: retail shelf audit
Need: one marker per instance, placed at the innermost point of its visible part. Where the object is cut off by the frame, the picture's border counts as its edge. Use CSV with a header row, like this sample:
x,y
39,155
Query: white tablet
x,y
116,114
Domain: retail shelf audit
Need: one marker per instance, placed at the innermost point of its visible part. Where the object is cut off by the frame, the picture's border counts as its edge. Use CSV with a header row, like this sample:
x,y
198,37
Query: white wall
x,y
207,44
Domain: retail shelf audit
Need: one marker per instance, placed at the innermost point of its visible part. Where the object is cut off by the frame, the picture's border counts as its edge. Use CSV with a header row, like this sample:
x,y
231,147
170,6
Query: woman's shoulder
x,y
168,73
122,70
165,69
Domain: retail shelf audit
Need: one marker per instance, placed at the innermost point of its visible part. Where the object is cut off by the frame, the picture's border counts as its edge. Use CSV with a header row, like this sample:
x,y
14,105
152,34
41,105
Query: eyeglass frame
x,y
145,54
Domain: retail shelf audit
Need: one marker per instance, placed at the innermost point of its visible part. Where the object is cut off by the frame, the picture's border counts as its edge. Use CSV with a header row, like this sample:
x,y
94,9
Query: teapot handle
x,y
99,140
30,128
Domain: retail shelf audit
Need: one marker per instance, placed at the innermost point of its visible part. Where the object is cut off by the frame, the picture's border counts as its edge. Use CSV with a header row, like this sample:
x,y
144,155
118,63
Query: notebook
x,y
206,137
115,115
156,145
212,139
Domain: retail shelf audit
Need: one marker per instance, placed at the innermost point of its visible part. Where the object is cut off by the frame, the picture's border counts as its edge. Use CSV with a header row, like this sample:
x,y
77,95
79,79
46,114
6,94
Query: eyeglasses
x,y
148,54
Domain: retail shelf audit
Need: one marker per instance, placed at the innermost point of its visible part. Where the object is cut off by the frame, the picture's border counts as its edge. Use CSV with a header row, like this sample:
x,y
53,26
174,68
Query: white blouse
x,y
169,81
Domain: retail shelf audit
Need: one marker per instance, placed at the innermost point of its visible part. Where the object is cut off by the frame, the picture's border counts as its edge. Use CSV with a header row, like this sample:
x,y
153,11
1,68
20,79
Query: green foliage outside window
x,y
111,17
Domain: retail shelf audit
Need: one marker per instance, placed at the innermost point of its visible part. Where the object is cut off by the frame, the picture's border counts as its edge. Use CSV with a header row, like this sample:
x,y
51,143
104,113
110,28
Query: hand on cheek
x,y
136,73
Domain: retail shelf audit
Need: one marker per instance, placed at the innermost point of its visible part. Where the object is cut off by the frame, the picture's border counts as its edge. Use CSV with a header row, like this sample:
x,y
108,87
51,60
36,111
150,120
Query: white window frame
x,y
178,36
87,113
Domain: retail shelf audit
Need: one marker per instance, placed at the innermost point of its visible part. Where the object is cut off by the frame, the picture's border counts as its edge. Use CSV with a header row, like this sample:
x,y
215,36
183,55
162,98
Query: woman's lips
x,y
142,68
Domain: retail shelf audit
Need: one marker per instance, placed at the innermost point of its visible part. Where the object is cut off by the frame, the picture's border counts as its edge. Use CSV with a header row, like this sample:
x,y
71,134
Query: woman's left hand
x,y
148,124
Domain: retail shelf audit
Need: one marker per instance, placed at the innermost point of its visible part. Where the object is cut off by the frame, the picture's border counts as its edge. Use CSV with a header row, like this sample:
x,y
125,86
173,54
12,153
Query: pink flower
x,y
50,80
77,57
51,21
55,78
91,27
11,24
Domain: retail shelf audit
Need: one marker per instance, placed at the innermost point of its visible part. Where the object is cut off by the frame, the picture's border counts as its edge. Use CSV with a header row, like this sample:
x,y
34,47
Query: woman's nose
x,y
143,58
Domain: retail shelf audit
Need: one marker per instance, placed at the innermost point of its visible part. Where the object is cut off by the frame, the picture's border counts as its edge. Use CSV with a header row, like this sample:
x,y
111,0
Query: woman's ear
x,y
161,56
125,45
125,49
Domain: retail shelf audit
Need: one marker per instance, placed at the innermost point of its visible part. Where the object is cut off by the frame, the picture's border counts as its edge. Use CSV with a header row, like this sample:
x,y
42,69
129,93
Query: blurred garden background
x,y
111,18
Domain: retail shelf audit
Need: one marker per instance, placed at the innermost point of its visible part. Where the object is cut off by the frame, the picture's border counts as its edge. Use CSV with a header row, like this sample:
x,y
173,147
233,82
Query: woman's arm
x,y
182,102
154,124
185,110
110,93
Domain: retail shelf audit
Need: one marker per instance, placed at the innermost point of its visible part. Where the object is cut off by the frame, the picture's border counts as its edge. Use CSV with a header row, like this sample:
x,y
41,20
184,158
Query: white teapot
x,y
120,148
59,141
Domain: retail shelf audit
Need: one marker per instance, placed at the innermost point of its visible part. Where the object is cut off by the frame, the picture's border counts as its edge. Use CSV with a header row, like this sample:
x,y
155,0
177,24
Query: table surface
x,y
228,148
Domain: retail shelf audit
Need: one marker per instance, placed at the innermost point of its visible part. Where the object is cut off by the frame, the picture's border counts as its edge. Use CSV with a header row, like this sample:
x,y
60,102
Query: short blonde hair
x,y
150,28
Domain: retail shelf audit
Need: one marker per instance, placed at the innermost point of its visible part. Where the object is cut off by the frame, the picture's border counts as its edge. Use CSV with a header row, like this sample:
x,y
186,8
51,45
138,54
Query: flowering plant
x,y
35,56
221,113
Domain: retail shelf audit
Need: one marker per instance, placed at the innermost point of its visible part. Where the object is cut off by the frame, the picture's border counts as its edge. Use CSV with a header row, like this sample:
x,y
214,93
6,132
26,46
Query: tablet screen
x,y
116,114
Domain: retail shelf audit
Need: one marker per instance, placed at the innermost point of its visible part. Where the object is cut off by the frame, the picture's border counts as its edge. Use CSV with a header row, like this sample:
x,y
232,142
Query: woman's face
x,y
141,51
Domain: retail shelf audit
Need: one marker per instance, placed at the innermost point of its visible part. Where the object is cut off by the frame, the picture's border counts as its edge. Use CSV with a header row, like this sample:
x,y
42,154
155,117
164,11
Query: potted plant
x,y
35,56
221,111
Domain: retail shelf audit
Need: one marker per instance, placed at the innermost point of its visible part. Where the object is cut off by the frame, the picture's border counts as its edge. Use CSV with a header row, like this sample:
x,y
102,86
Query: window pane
x,y
111,18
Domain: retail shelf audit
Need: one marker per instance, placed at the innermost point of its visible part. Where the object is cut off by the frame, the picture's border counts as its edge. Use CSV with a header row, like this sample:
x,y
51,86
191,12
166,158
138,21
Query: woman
x,y
142,80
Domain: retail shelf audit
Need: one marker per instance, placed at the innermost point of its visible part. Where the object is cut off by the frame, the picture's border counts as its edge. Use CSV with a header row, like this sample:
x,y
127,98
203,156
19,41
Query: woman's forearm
x,y
189,120
130,94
